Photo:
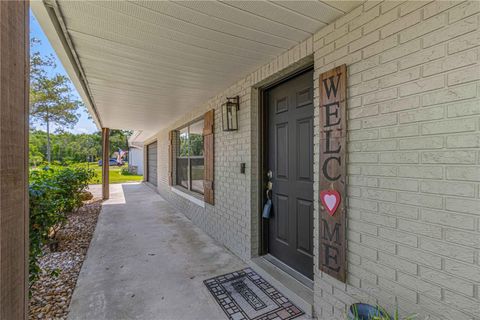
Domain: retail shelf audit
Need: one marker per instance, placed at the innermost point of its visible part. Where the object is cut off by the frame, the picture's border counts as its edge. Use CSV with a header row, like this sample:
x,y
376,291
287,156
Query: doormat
x,y
245,295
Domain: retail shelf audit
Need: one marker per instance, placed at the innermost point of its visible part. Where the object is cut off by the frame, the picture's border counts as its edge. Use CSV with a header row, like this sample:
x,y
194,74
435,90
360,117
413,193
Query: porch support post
x,y
14,87
105,163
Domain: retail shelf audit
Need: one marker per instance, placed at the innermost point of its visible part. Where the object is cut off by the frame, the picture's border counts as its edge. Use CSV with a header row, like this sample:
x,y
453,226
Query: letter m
x,y
327,235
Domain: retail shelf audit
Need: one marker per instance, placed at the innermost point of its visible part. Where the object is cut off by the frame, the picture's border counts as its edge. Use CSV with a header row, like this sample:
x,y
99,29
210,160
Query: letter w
x,y
332,86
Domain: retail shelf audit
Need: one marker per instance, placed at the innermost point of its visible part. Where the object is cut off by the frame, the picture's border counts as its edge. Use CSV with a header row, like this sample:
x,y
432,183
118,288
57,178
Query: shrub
x,y
380,314
125,171
53,192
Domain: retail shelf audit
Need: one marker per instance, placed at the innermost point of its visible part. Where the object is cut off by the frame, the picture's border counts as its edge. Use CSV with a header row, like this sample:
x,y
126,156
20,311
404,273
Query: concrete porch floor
x,y
148,261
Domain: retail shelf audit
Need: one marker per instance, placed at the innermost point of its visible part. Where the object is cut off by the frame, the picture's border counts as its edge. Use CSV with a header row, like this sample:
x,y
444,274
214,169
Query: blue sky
x,y
84,125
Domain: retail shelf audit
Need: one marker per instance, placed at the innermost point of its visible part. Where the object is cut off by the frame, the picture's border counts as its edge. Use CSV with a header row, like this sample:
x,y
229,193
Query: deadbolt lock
x,y
269,174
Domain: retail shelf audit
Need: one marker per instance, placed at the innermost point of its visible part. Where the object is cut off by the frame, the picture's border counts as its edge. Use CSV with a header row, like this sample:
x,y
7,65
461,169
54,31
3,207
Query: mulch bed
x,y
51,294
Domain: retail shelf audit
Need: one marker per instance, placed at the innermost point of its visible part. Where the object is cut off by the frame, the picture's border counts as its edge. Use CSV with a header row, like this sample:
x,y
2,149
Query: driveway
x,y
147,261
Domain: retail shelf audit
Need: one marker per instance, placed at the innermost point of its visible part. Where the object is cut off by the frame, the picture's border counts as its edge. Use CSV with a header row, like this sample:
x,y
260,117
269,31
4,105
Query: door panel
x,y
152,163
304,226
282,104
282,150
304,145
282,217
290,157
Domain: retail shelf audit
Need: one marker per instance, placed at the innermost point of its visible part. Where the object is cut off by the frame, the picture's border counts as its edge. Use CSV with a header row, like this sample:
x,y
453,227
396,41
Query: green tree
x,y
34,155
119,140
69,147
191,145
65,147
196,144
51,98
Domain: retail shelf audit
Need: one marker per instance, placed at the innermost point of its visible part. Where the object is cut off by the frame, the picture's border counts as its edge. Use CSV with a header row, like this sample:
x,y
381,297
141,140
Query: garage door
x,y
152,163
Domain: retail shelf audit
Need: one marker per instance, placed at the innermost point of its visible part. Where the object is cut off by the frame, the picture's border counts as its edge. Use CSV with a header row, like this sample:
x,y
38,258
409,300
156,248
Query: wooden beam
x,y
105,163
209,154
14,87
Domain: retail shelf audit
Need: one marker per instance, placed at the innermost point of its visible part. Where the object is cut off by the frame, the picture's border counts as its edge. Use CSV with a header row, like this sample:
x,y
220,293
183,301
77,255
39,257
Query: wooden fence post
x,y
105,163
14,89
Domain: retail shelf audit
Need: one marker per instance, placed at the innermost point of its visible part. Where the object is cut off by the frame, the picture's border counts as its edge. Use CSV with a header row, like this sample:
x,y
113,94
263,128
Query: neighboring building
x,y
135,159
407,149
135,155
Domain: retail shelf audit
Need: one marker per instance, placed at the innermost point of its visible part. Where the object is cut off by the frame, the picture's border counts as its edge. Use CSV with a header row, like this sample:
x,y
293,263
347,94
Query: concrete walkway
x,y
147,261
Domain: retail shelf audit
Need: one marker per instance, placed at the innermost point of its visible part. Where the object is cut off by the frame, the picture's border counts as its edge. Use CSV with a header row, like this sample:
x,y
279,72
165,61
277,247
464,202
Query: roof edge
x,y
50,20
134,139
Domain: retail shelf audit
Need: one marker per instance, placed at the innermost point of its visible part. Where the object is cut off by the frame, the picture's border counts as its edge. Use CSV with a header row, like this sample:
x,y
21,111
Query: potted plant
x,y
364,311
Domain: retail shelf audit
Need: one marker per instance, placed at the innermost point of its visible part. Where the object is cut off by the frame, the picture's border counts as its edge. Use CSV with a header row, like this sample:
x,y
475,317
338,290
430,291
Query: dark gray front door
x,y
152,163
290,158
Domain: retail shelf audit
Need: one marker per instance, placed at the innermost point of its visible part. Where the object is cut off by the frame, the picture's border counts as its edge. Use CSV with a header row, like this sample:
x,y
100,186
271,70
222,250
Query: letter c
x,y
325,169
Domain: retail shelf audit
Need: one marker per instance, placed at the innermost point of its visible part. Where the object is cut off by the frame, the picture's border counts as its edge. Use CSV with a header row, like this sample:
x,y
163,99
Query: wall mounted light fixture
x,y
230,114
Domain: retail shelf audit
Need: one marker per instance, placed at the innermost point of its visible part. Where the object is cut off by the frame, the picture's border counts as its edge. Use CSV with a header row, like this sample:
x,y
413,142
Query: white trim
x,y
188,197
132,141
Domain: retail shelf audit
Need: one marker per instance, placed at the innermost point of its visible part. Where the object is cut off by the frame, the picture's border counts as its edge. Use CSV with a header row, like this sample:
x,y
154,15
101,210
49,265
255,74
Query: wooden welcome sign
x,y
333,133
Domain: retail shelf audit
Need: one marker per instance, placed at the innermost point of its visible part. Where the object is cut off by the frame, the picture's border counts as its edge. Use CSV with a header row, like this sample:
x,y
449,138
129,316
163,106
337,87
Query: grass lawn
x,y
116,175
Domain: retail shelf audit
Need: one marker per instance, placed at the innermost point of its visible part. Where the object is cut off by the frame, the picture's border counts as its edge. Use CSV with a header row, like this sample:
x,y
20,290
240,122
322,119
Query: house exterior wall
x,y
413,192
413,158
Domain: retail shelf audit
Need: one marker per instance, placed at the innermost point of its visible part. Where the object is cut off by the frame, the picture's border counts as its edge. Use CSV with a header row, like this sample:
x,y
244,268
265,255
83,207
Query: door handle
x,y
269,183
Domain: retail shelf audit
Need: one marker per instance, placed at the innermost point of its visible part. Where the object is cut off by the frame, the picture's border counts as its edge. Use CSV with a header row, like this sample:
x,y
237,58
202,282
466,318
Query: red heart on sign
x,y
330,200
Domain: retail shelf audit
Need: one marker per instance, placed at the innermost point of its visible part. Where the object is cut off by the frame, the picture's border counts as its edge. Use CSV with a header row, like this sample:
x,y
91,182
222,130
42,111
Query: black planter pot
x,y
364,311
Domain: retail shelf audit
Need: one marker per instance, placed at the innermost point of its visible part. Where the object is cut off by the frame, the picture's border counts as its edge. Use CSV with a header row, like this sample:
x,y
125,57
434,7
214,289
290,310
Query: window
x,y
190,161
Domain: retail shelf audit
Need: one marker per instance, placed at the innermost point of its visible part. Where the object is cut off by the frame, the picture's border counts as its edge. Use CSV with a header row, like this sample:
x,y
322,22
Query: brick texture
x,y
415,154
413,162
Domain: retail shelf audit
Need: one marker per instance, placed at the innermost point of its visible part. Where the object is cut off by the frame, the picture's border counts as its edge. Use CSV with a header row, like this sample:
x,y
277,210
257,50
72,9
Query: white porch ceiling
x,y
146,63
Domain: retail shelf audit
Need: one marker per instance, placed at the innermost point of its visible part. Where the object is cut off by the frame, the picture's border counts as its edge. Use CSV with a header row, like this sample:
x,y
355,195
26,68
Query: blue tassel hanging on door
x,y
267,208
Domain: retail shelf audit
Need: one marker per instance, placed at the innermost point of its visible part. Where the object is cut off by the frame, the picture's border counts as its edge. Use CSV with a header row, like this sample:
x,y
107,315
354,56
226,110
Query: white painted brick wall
x,y
413,224
413,161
